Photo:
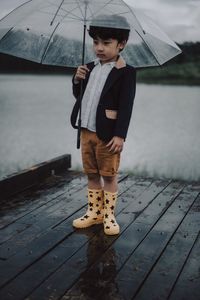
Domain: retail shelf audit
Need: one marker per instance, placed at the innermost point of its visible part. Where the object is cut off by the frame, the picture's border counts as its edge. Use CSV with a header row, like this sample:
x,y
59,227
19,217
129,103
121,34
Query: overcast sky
x,y
180,19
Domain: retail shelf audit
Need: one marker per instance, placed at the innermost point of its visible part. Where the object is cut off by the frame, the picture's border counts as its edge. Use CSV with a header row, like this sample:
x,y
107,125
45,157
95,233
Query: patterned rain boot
x,y
94,214
110,225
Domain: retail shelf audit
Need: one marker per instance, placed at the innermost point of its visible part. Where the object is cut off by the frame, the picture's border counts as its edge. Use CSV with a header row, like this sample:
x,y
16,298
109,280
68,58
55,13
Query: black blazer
x,y
117,95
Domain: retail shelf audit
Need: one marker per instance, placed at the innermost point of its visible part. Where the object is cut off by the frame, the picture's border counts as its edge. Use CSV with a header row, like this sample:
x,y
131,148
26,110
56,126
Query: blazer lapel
x,y
112,77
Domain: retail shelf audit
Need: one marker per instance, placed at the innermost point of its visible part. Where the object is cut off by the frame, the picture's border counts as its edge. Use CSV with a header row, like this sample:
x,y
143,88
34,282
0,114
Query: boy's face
x,y
107,50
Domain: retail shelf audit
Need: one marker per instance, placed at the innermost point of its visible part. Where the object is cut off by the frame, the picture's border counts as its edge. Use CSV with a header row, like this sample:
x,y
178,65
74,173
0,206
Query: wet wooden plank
x,y
169,266
188,283
87,255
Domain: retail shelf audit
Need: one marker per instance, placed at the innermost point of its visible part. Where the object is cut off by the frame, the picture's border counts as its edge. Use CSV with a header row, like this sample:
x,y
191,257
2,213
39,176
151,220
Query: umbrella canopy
x,y
51,32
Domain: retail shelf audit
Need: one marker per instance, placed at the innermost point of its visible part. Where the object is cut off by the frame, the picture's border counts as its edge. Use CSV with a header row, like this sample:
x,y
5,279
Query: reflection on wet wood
x,y
156,255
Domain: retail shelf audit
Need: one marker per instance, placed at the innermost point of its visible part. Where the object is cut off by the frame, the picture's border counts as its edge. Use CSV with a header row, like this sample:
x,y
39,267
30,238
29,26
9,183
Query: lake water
x,y
163,138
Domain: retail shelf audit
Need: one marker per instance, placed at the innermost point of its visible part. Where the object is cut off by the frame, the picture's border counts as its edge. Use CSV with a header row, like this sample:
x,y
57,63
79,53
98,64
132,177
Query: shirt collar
x,y
97,61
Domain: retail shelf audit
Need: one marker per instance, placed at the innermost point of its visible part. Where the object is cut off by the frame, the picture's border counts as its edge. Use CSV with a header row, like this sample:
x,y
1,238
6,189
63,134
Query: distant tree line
x,y
190,53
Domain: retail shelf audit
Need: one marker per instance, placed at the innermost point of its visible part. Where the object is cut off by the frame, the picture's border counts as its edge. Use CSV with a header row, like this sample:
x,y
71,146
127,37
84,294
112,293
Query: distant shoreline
x,y
184,73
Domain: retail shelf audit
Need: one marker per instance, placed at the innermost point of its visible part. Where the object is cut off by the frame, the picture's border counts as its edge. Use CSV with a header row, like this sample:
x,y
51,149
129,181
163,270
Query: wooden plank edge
x,y
27,178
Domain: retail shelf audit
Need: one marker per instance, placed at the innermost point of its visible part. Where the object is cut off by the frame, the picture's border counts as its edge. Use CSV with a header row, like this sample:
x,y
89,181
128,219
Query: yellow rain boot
x,y
94,214
110,225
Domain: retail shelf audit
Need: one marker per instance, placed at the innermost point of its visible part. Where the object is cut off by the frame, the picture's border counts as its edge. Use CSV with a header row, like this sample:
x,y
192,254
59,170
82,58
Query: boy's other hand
x,y
81,73
116,144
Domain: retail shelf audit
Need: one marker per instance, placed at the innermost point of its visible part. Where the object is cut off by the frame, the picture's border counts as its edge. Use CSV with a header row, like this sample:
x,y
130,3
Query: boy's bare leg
x,y
94,182
110,184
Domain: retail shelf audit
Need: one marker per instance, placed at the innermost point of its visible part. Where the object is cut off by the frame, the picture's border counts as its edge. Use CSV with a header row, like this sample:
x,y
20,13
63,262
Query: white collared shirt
x,y
93,92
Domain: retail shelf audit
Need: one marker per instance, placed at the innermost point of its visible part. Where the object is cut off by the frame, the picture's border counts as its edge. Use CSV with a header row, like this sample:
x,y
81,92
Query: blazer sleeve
x,y
76,88
125,104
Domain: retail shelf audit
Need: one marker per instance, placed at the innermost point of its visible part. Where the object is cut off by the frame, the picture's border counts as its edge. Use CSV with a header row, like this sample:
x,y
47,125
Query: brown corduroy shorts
x,y
95,155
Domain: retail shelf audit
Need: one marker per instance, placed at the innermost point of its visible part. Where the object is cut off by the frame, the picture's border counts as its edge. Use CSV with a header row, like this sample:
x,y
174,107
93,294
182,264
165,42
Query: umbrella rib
x,y
18,7
79,6
101,8
47,46
106,4
148,47
57,12
90,10
73,16
70,12
61,15
133,15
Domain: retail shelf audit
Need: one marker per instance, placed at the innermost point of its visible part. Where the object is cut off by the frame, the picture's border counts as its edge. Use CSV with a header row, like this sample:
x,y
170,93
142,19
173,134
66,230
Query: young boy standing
x,y
109,91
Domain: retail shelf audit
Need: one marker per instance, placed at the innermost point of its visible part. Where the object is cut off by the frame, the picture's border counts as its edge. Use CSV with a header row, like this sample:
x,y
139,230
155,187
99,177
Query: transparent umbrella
x,y
53,33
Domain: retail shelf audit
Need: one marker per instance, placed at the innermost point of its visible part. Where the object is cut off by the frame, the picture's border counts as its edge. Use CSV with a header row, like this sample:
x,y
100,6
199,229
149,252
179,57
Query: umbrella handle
x,y
79,118
81,92
79,135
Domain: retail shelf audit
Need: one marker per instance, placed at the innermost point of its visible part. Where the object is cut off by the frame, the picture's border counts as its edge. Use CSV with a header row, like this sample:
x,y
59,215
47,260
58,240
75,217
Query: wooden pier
x,y
155,256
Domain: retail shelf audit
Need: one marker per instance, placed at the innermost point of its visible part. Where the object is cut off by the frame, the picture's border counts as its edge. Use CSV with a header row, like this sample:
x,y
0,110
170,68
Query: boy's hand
x,y
81,73
116,144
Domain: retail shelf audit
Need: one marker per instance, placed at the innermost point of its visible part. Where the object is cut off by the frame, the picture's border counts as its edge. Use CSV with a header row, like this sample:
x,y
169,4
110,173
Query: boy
x,y
109,91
